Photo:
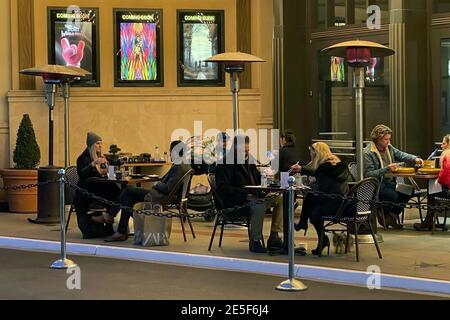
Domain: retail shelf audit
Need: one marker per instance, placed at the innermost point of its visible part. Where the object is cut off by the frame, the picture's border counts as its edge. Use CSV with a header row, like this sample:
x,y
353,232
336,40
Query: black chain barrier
x,y
164,214
27,186
265,200
442,206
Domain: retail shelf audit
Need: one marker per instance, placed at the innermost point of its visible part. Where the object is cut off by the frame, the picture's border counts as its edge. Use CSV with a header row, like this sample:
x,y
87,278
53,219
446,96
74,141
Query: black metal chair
x,y
69,194
444,201
353,168
177,199
418,197
355,212
72,178
236,218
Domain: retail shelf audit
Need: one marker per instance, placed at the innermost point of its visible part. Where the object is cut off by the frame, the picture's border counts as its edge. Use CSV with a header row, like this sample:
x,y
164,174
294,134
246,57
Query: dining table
x,y
129,180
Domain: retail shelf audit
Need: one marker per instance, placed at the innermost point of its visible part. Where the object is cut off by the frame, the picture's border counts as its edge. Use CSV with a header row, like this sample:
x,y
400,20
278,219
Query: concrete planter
x,y
21,200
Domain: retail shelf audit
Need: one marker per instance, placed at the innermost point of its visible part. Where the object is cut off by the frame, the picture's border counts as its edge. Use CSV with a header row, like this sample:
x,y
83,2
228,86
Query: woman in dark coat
x,y
92,163
331,177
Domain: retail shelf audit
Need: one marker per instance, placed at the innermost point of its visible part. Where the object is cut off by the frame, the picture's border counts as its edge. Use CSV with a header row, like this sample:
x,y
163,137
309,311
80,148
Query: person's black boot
x,y
256,247
274,241
302,225
322,245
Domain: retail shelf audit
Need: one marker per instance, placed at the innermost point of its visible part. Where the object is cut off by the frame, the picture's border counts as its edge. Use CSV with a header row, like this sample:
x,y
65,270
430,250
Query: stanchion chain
x,y
168,214
27,186
249,205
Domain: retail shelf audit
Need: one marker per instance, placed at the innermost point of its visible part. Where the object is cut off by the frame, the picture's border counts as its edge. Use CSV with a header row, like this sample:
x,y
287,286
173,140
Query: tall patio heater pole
x,y
53,76
234,64
358,55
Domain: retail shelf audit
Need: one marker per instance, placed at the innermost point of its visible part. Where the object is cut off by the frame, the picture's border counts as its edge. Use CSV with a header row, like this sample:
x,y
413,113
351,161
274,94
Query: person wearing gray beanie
x,y
92,138
91,165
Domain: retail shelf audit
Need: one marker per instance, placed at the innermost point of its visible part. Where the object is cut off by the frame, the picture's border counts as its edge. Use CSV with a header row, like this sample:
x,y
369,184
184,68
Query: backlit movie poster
x,y
72,43
201,38
138,57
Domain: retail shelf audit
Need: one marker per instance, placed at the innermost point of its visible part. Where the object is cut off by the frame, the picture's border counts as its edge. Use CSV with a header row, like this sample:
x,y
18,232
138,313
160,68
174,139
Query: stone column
x,y
408,36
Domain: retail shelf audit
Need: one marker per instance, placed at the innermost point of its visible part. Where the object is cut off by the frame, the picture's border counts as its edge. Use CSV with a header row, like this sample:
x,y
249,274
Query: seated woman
x,y
444,180
381,160
331,177
92,163
436,154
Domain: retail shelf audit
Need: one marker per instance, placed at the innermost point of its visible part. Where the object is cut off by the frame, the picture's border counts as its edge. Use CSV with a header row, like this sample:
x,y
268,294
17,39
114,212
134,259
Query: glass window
x,y
445,85
321,14
336,111
360,11
340,17
441,6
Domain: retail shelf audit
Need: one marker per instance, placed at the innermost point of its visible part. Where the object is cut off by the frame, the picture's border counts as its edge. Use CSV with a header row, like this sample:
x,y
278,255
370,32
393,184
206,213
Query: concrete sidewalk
x,y
405,253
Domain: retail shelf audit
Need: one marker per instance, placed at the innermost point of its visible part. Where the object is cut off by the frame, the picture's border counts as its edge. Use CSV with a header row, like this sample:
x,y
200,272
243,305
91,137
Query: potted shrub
x,y
113,155
26,158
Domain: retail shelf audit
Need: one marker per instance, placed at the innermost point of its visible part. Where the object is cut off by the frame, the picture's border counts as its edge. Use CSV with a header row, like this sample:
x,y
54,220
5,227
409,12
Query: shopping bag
x,y
150,230
405,189
434,186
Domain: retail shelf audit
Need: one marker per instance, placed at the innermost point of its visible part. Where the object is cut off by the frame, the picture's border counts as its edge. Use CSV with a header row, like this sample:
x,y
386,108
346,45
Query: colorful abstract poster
x,y
72,40
337,69
138,51
201,36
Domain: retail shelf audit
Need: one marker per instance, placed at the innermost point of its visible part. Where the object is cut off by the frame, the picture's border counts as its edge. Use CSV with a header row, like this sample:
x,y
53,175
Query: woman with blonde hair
x,y
443,179
331,177
92,163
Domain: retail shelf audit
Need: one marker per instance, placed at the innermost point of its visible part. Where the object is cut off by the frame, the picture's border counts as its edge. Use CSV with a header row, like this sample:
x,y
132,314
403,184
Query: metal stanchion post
x,y
291,284
62,263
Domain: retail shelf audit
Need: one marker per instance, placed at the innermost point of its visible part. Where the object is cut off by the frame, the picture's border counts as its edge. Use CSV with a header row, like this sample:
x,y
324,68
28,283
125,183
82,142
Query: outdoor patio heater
x,y
358,55
53,76
234,64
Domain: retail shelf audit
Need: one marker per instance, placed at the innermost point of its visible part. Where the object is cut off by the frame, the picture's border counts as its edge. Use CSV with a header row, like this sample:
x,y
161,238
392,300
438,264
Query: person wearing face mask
x,y
381,160
92,163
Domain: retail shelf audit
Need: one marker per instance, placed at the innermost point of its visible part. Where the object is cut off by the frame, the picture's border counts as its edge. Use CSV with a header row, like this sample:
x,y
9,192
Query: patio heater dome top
x,y
340,49
56,72
230,57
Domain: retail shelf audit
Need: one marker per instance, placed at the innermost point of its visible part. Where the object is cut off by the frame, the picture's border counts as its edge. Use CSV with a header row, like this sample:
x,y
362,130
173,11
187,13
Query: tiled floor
x,y
405,252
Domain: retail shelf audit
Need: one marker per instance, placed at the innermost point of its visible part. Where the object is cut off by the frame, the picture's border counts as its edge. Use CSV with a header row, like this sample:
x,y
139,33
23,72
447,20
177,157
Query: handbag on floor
x,y
150,230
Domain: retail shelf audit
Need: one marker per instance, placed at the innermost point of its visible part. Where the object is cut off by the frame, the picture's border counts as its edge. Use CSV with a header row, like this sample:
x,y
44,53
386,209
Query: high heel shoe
x,y
321,246
301,226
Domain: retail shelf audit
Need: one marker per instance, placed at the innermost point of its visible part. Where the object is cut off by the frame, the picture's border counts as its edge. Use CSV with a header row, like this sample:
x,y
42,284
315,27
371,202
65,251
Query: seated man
x,y
231,180
381,160
132,195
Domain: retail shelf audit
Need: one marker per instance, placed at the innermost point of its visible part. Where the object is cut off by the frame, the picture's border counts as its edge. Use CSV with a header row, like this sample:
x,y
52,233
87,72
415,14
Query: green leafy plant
x,y
27,153
113,149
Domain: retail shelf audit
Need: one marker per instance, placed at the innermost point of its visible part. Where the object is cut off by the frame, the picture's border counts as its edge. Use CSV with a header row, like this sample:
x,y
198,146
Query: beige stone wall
x,y
5,83
138,118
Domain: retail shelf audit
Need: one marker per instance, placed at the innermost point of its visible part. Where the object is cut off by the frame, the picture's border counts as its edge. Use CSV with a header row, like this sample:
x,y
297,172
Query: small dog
x,y
339,240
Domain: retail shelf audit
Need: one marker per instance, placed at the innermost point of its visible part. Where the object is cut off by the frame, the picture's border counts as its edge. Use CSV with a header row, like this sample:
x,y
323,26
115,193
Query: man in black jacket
x,y
289,154
132,195
231,180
